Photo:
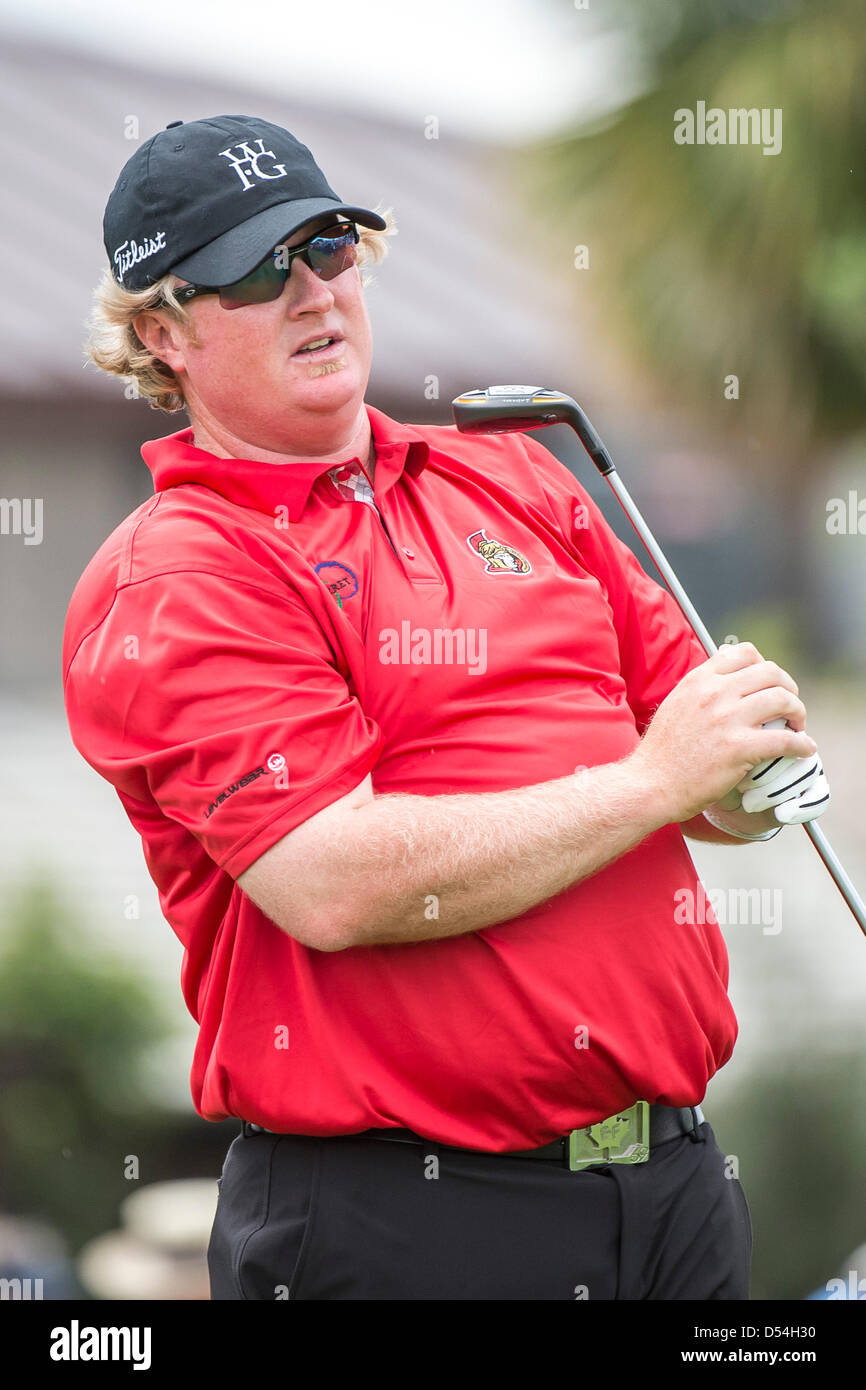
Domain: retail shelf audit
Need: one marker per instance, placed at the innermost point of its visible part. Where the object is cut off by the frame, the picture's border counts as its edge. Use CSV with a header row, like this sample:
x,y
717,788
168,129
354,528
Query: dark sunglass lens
x,y
332,254
259,287
328,253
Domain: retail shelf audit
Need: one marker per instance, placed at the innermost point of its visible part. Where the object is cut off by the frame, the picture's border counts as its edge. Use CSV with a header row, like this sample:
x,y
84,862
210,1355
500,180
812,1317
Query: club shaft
x,y
661,562
816,835
834,866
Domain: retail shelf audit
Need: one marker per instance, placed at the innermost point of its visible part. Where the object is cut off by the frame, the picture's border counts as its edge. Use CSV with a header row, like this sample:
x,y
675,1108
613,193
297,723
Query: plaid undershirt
x,y
352,484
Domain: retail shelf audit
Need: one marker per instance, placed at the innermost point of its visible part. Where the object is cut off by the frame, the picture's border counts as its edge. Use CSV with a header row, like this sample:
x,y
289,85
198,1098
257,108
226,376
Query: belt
x,y
661,1124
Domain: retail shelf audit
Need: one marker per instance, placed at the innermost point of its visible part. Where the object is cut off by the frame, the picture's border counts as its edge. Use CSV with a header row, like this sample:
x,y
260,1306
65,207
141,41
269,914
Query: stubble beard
x,y
324,368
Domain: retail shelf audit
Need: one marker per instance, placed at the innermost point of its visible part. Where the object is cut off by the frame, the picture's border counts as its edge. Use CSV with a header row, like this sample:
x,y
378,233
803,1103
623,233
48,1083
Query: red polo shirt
x,y
253,640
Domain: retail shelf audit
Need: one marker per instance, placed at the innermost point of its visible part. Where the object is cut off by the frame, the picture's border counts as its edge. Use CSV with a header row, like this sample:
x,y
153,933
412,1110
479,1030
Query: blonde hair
x,y
114,346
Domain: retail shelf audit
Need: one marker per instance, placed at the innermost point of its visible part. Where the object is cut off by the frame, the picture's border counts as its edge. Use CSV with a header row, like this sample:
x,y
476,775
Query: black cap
x,y
208,200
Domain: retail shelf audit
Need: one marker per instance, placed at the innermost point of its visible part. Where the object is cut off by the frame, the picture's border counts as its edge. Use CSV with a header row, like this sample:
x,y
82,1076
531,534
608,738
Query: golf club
x,y
502,409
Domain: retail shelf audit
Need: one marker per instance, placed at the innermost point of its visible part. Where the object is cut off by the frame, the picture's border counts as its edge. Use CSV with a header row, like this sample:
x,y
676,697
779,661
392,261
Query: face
x,y
248,379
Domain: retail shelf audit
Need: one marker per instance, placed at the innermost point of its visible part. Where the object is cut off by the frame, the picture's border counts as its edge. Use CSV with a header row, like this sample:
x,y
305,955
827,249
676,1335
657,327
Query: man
x,y
411,742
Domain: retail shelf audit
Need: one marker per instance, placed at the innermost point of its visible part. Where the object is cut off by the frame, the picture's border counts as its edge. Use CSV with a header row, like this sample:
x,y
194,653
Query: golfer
x,y
412,744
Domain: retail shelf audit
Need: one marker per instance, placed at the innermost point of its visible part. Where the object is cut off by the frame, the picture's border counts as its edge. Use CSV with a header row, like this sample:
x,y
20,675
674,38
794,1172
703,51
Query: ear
x,y
163,337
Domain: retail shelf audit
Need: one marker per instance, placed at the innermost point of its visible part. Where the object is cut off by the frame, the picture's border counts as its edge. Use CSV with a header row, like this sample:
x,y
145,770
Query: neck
x,y
215,438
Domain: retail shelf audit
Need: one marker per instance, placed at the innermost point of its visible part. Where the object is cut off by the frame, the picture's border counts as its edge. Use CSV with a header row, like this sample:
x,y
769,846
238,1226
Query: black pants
x,y
305,1218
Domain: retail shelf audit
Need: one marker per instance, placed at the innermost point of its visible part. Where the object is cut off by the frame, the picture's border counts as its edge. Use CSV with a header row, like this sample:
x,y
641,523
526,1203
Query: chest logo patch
x,y
339,580
499,558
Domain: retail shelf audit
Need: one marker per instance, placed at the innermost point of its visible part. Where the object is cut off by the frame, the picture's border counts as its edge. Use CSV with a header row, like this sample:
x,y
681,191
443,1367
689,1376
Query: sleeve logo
x,y
275,763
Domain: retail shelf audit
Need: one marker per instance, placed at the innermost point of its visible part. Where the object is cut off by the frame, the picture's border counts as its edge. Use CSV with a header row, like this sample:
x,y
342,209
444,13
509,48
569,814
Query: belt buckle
x,y
621,1138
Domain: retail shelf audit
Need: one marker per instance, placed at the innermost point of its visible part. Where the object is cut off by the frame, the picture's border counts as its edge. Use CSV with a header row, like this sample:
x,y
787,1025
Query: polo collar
x,y
174,460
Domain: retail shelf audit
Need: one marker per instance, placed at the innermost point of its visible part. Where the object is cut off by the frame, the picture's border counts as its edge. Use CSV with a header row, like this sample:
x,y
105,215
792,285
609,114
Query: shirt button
x,y
410,554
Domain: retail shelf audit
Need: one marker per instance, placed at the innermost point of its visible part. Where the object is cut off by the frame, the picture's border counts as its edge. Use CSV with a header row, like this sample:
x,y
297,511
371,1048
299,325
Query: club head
x,y
501,409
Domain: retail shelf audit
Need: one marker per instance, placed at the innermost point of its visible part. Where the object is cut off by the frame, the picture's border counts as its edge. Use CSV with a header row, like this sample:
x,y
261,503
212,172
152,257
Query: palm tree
x,y
717,260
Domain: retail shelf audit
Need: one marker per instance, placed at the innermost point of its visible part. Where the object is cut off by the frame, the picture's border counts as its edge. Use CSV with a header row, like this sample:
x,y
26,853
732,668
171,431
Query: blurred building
x,y
456,303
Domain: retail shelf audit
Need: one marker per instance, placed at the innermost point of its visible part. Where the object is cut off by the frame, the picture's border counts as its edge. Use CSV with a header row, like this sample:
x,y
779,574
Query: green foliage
x,y
710,260
73,1029
82,1015
773,629
799,1133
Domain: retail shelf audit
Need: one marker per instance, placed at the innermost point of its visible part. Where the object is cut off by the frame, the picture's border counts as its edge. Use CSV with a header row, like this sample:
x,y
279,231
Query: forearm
x,y
422,868
370,870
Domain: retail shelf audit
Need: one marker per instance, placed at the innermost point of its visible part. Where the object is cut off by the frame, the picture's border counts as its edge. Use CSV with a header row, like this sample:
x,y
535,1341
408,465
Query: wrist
x,y
644,792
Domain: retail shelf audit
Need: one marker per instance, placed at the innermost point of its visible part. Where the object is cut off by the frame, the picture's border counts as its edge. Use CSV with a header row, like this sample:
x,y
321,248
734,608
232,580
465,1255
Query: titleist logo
x,y
129,253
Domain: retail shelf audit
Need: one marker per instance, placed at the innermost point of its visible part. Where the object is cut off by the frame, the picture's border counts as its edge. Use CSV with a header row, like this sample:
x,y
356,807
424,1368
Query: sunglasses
x,y
328,254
